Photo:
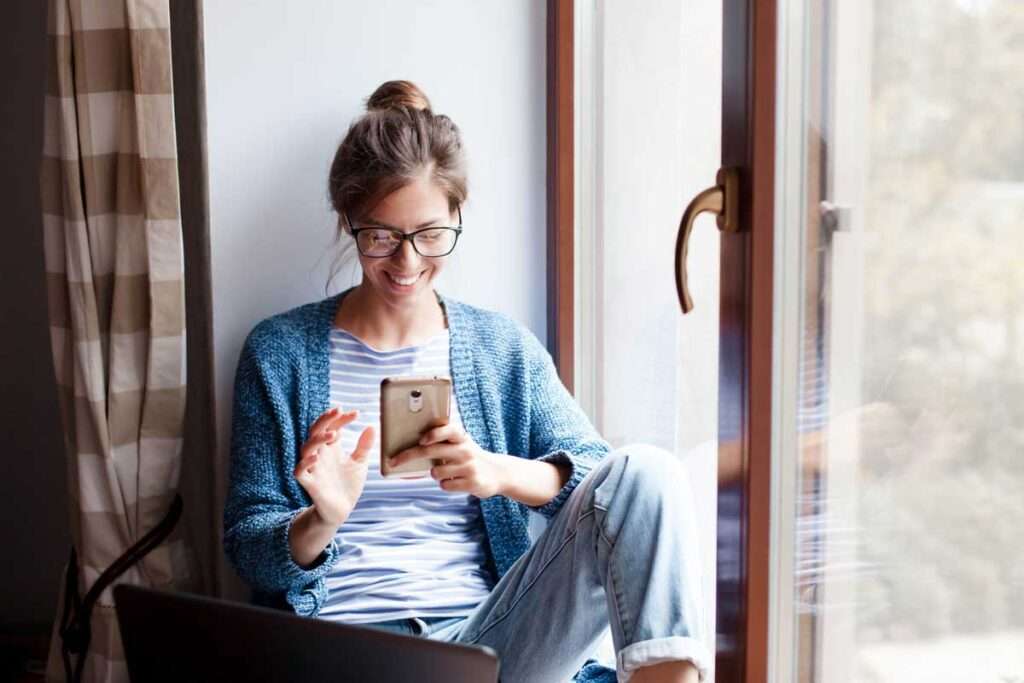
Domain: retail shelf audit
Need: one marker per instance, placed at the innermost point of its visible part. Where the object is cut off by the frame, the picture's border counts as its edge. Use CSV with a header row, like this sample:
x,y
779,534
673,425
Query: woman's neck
x,y
384,327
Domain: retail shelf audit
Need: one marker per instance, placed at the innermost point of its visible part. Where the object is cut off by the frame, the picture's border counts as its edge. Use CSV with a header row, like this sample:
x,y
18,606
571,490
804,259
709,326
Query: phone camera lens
x,y
415,401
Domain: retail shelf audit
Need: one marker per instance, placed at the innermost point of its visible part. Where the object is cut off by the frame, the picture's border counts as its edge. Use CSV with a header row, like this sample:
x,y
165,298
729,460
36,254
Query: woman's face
x,y
403,279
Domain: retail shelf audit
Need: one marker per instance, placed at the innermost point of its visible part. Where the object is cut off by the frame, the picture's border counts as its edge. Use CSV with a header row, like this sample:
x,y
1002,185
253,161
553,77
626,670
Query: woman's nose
x,y
406,253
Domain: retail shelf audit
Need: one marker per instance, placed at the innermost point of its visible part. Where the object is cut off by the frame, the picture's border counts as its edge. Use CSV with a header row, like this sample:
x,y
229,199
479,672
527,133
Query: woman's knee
x,y
644,472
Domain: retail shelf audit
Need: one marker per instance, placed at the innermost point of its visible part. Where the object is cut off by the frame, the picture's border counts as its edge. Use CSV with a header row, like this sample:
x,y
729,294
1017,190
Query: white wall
x,y
284,80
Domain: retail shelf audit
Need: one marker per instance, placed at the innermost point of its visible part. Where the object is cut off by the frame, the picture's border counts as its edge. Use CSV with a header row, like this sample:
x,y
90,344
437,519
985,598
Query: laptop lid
x,y
185,637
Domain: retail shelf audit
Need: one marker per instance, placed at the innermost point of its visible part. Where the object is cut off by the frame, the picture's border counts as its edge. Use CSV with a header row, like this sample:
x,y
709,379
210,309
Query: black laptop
x,y
184,637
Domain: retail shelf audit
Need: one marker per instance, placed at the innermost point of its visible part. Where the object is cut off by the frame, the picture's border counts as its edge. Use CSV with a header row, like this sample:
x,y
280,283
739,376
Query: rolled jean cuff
x,y
658,650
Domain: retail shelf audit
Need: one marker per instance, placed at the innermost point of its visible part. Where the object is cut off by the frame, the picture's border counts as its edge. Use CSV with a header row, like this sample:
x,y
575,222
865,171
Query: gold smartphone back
x,y
409,407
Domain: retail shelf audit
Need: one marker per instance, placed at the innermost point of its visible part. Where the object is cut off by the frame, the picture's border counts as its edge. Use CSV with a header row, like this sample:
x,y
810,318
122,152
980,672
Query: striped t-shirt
x,y
408,548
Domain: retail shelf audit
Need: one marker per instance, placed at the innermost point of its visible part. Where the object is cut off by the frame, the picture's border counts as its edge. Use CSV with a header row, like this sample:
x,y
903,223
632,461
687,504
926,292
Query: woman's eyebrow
x,y
379,224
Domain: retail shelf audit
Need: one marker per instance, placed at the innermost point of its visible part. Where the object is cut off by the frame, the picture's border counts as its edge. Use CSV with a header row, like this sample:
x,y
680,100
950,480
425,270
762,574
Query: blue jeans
x,y
622,552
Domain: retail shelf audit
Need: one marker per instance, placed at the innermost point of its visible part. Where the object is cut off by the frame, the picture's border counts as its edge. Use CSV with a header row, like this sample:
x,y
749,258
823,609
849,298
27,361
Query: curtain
x,y
113,244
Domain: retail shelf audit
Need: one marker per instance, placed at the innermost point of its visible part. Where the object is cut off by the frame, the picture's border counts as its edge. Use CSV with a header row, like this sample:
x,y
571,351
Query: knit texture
x,y
510,397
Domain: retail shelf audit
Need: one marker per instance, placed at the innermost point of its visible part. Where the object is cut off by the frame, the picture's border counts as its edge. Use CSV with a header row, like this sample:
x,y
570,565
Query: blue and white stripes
x,y
408,548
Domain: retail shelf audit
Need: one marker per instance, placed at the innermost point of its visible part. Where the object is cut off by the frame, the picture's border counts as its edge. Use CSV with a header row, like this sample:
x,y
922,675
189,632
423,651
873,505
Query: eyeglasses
x,y
384,242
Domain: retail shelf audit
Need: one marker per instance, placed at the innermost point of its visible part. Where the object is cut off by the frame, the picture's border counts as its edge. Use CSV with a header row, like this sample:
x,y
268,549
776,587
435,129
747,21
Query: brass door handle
x,y
723,199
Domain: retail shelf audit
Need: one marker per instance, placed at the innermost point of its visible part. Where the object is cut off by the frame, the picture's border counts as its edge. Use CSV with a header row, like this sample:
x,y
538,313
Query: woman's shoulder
x,y
489,328
288,331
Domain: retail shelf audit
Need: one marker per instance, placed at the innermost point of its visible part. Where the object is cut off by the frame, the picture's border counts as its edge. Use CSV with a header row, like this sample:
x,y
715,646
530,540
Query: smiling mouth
x,y
404,282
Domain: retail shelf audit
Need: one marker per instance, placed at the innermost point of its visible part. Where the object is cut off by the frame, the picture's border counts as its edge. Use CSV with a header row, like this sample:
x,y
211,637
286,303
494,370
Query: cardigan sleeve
x,y
263,497
560,431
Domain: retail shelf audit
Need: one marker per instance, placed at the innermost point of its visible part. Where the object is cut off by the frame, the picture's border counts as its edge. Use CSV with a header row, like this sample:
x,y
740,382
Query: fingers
x,y
460,484
321,422
341,419
332,419
449,432
448,471
315,442
405,456
363,445
441,451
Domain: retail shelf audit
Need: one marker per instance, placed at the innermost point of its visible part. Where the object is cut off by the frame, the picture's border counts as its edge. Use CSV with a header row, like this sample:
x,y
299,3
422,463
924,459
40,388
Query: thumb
x,y
364,445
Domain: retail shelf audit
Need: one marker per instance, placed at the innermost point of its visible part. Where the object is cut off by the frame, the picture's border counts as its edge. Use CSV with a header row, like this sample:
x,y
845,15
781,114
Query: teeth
x,y
404,281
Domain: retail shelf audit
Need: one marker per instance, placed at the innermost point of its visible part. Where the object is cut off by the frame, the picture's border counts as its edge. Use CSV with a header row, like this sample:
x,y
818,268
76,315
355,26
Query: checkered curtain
x,y
114,266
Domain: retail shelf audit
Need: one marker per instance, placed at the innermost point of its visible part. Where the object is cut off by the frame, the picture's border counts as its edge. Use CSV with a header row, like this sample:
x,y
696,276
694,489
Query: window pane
x,y
905,124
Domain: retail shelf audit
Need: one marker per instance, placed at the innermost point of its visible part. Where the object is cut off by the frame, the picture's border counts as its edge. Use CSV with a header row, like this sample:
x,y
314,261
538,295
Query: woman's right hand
x,y
332,478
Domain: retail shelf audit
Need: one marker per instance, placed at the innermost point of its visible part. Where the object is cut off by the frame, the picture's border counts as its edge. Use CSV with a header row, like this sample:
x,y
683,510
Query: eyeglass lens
x,y
436,242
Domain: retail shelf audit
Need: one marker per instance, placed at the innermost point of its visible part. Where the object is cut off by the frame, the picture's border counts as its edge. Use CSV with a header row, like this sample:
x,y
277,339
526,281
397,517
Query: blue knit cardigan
x,y
510,398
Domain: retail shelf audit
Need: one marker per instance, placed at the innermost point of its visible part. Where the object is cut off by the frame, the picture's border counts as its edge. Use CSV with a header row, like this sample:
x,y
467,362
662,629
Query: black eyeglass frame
x,y
402,236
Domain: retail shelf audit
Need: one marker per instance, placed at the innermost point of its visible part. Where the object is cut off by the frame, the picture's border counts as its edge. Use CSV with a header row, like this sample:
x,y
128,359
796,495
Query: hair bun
x,y
395,94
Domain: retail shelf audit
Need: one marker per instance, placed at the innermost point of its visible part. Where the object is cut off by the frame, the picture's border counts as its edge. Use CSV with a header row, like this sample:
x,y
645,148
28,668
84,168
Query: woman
x,y
308,516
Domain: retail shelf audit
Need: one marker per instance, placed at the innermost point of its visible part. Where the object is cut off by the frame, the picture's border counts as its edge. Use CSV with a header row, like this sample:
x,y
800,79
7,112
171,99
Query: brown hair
x,y
397,140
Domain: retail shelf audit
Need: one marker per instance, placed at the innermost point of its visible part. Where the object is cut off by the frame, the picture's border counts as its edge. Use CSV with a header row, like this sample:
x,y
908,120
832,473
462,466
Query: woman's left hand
x,y
466,467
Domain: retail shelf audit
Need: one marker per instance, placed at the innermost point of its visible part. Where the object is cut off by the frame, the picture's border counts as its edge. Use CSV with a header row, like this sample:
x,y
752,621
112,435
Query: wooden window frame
x,y
749,59
746,292
561,284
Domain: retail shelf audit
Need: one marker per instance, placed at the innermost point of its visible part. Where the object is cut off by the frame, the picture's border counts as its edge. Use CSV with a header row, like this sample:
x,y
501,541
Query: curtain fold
x,y
114,261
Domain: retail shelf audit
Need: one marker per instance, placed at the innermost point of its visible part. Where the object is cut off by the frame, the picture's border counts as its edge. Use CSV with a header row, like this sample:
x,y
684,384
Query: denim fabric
x,y
415,626
621,552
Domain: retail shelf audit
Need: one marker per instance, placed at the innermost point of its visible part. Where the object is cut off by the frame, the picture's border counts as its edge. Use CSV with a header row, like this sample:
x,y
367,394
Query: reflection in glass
x,y
907,541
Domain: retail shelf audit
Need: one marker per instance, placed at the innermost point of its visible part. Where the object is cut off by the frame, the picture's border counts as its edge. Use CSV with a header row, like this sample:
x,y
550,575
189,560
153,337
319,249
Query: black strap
x,y
75,630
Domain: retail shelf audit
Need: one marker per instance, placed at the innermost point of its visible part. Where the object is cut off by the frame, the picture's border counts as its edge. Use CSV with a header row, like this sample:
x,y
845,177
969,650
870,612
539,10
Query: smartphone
x,y
410,407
